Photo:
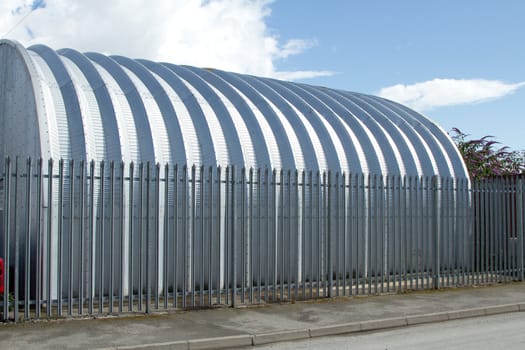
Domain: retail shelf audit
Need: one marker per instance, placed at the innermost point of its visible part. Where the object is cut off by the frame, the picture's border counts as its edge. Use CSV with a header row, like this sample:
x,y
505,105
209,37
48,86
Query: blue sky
x,y
461,63
371,45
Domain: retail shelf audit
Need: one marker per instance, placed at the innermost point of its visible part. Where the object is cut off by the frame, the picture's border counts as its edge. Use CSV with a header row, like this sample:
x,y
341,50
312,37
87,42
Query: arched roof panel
x,y
250,132
137,110
108,122
71,121
348,145
214,125
406,152
278,145
415,141
167,123
141,122
302,147
313,125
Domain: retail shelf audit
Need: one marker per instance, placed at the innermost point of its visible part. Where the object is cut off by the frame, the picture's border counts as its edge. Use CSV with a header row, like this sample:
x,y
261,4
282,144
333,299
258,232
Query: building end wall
x,y
19,125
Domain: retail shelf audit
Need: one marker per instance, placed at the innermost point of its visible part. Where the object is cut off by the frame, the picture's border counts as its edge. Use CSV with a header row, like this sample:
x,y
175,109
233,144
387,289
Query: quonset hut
x,y
68,105
65,104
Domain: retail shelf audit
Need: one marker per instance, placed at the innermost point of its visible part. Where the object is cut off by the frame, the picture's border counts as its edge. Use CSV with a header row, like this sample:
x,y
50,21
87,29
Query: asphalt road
x,y
504,331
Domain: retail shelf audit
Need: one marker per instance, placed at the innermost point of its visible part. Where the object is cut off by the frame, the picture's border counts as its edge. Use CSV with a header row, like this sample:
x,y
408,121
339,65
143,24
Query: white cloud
x,y
302,74
295,46
435,93
225,34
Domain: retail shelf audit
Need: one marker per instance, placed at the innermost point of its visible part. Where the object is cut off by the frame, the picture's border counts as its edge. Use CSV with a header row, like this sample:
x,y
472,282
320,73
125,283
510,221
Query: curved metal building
x,y
68,105
65,104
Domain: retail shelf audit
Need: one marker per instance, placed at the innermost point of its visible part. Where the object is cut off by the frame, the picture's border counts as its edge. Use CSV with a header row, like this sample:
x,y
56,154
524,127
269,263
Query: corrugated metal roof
x,y
116,108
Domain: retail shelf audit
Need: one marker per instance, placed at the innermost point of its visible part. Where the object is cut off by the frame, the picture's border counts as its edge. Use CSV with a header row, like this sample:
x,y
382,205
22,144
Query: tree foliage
x,y
485,158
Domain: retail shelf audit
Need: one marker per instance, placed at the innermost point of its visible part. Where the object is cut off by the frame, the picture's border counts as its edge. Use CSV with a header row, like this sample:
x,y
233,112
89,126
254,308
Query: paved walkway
x,y
227,327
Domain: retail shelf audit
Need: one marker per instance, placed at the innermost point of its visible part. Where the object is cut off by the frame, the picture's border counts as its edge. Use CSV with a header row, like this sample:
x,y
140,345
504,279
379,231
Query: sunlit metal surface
x,y
65,104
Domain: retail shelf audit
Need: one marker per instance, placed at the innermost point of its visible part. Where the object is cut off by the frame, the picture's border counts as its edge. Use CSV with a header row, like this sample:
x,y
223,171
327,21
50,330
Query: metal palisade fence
x,y
86,238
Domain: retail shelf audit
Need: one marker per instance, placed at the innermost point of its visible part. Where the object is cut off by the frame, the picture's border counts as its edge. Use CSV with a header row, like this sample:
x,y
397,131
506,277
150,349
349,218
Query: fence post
x,y
234,228
435,228
147,242
7,229
27,238
16,239
193,250
329,235
519,212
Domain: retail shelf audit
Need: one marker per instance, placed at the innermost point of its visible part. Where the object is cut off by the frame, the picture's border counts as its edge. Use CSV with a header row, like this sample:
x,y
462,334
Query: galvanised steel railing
x,y
85,238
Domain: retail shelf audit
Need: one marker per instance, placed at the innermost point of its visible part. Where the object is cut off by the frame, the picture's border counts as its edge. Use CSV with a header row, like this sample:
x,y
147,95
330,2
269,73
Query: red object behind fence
x,y
1,275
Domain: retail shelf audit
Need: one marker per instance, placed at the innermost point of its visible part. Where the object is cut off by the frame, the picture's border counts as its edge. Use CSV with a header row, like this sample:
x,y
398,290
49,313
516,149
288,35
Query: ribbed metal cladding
x,y
97,107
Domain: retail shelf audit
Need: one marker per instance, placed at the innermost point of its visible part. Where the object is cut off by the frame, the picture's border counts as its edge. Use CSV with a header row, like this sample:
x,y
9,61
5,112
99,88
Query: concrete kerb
x,y
274,337
246,340
501,309
335,329
522,306
466,313
234,341
386,323
427,318
178,345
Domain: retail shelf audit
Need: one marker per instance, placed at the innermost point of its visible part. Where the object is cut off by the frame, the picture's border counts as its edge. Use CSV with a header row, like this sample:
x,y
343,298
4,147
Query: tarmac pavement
x,y
255,325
